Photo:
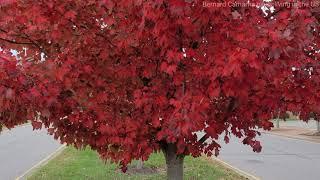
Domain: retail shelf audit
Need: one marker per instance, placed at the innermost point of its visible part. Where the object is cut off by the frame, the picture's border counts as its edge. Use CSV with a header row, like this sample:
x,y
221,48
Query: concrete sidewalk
x,y
296,133
311,124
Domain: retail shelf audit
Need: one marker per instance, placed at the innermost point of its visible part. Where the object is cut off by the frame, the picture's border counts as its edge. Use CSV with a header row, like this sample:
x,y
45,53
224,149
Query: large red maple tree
x,y
131,77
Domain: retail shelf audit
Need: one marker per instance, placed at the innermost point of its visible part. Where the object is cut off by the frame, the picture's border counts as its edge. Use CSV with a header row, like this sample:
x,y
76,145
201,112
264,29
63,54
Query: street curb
x,y
41,163
292,137
237,170
21,125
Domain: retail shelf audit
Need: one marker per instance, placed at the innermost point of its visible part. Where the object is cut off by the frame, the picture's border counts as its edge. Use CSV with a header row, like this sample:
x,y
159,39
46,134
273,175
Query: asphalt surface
x,y
281,158
21,148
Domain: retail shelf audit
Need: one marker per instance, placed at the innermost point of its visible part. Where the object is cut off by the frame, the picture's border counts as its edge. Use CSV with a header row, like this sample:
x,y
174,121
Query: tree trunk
x,y
318,126
278,120
278,123
139,164
174,162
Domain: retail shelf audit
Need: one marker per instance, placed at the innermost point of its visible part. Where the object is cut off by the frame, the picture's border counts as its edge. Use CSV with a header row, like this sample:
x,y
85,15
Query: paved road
x,y
21,148
281,158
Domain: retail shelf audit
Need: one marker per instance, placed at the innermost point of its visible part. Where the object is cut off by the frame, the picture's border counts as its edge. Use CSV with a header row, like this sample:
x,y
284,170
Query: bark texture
x,y
174,162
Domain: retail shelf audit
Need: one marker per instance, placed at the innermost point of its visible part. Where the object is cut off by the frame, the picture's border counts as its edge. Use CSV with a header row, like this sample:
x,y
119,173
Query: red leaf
x,y
36,125
109,74
70,15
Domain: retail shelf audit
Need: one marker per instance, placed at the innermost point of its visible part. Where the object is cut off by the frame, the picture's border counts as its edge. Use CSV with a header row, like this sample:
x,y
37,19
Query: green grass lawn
x,y
72,164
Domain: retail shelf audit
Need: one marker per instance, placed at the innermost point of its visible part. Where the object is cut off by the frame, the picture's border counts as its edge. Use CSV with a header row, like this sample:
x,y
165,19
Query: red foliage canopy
x,y
127,77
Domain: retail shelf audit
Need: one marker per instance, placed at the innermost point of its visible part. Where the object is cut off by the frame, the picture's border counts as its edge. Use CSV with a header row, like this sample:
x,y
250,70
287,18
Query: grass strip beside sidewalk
x,y
72,164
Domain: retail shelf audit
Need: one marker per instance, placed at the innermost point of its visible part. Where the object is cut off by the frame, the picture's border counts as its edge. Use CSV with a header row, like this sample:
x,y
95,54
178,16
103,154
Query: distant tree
x,y
131,77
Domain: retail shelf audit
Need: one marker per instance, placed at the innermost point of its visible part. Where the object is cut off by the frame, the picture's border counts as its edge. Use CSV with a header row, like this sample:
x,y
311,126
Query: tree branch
x,y
14,42
203,139
3,31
